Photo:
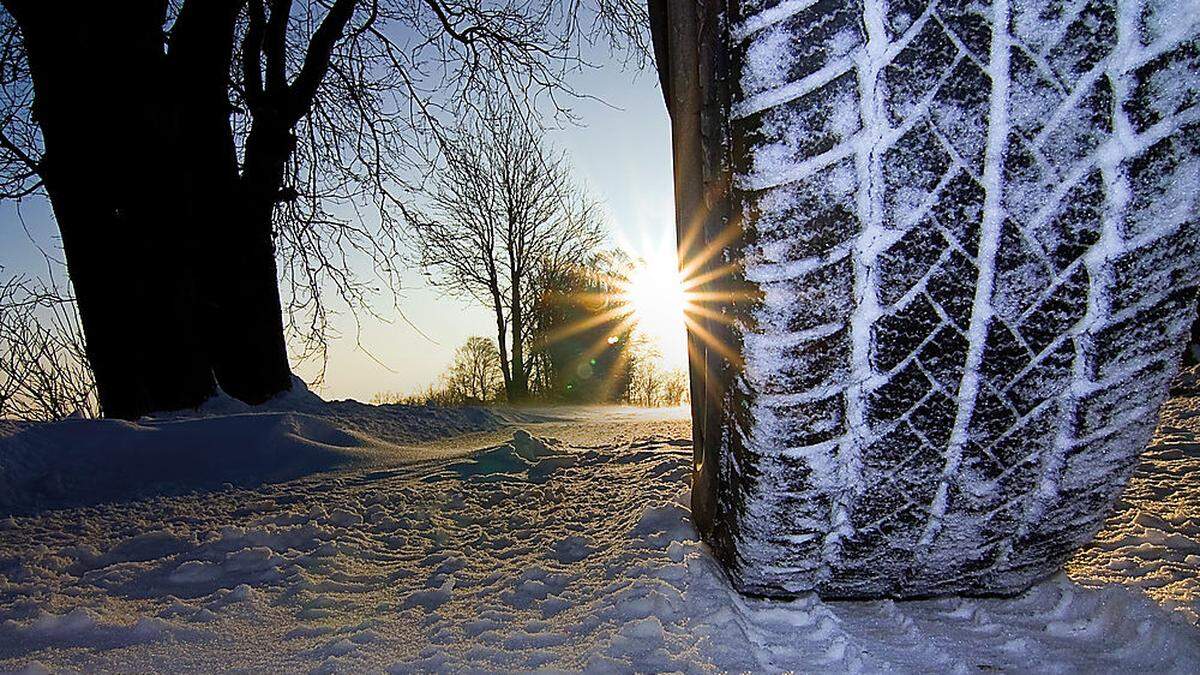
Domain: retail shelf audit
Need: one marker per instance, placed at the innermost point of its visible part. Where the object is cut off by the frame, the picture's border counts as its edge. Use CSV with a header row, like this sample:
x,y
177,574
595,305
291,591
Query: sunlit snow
x,y
529,553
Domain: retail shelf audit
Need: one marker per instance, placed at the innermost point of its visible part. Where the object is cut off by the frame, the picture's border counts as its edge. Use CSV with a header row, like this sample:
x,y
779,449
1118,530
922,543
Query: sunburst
x,y
661,302
666,300
655,298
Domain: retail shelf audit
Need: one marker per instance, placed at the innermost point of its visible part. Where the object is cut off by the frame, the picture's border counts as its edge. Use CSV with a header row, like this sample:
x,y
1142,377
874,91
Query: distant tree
x,y
474,376
645,384
675,386
582,330
436,394
387,398
503,214
646,378
186,145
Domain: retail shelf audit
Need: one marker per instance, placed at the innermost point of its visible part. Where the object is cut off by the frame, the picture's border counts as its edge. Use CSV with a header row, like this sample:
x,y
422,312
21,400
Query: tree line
x,y
474,378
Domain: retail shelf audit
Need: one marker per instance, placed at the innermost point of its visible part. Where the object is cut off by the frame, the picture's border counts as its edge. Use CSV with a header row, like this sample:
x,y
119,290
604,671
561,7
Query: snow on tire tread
x,y
976,252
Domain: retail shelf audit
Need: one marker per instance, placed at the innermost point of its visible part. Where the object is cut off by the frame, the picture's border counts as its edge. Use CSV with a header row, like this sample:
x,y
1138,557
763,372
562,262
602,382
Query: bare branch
x,y
252,44
19,153
44,373
317,59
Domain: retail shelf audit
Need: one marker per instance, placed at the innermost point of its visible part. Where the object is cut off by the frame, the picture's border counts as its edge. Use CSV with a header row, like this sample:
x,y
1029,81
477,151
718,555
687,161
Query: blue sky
x,y
621,152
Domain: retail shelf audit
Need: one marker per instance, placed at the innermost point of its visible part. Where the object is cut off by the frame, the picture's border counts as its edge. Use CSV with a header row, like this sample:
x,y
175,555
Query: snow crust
x,y
537,553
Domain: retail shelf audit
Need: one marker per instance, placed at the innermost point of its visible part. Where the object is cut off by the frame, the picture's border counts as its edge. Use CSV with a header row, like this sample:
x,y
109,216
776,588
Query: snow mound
x,y
524,458
78,462
84,627
85,461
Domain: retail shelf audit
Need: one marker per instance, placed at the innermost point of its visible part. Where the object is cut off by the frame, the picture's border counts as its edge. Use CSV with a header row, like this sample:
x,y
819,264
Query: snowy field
x,y
567,547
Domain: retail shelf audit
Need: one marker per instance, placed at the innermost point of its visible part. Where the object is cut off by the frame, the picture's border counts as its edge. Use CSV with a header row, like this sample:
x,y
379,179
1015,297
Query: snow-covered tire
x,y
971,232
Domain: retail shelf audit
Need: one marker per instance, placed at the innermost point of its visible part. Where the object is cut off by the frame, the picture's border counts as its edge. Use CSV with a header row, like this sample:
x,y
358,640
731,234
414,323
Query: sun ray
x,y
712,249
710,313
699,330
692,282
668,299
611,314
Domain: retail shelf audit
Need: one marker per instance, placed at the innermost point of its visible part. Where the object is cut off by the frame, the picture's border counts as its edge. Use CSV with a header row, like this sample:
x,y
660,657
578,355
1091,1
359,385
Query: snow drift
x,y
77,462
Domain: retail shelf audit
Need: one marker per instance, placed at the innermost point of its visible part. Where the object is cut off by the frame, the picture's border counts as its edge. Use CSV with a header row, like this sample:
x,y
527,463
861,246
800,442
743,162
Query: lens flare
x,y
645,294
658,303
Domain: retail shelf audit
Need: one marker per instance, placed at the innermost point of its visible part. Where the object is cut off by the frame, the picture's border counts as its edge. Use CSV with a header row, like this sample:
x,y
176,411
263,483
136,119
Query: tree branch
x,y
275,47
252,45
33,165
316,60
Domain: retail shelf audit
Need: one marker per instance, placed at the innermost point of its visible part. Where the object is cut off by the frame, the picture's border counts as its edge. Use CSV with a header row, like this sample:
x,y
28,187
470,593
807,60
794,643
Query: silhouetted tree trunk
x,y
239,288
250,355
519,391
168,241
110,170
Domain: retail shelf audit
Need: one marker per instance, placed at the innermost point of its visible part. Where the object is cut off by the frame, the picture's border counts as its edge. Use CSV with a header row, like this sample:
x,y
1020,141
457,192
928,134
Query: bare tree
x,y
582,327
675,386
645,383
645,375
387,398
474,376
44,373
223,135
503,211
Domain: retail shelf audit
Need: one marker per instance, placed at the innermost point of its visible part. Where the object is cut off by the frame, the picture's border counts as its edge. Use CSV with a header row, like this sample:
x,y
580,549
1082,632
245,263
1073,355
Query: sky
x,y
621,151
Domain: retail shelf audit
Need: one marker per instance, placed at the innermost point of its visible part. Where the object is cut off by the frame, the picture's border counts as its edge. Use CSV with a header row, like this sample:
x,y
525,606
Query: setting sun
x,y
658,302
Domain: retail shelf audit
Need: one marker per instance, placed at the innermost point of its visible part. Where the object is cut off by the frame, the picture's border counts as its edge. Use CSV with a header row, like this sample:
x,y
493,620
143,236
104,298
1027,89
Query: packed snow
x,y
567,546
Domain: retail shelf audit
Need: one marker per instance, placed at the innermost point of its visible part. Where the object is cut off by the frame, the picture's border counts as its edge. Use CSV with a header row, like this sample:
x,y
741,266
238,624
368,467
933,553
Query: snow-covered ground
x,y
384,551
82,462
1152,540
